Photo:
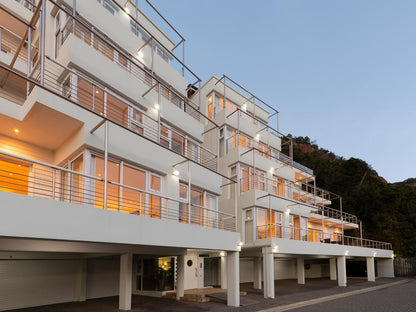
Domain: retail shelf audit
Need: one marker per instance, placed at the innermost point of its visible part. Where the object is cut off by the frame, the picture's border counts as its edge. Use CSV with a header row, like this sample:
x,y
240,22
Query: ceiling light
x,y
16,130
140,54
175,172
222,253
257,136
127,10
157,106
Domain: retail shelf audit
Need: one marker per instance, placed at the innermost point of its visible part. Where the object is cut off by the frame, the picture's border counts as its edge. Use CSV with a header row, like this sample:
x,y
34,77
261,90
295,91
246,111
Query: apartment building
x,y
121,174
105,186
290,228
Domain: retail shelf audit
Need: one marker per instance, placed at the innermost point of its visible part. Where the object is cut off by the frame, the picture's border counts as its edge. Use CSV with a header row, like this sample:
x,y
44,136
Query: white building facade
x,y
121,174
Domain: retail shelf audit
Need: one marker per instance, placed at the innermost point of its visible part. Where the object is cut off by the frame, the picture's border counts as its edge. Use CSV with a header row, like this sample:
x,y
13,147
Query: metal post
x,y
42,45
29,56
153,56
270,216
158,113
314,191
189,191
291,151
53,184
235,205
361,233
105,162
74,13
342,220
183,58
277,121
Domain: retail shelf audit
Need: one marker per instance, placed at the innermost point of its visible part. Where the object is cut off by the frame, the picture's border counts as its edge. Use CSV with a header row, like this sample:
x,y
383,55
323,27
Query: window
x,y
134,201
251,179
14,176
278,186
66,87
110,6
248,229
200,200
128,200
77,181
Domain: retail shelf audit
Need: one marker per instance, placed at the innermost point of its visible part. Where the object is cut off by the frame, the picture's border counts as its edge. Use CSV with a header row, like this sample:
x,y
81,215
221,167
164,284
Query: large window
x,y
14,176
269,224
130,200
204,207
252,179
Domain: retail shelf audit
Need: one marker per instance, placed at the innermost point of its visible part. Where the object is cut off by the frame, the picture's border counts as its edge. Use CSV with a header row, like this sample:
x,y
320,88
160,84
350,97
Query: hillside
x,y
388,211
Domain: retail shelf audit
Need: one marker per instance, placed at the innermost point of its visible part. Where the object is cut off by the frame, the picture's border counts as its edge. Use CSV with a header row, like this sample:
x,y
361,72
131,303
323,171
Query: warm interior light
x,y
175,172
157,106
140,54
97,91
16,130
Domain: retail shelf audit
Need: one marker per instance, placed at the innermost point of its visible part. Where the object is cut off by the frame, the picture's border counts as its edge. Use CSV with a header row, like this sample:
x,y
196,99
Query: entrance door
x,y
200,272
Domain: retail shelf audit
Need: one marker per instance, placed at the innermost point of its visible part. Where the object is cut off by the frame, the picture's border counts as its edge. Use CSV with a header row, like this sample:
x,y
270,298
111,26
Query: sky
x,y
342,72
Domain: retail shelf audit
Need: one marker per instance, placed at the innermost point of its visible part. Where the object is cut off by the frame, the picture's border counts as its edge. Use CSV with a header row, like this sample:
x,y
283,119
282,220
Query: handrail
x,y
49,181
302,234
127,102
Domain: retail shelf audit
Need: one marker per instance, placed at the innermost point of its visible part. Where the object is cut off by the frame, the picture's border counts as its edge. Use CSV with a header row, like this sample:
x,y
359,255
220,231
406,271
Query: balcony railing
x,y
263,149
28,4
92,96
60,184
133,65
311,235
297,191
9,43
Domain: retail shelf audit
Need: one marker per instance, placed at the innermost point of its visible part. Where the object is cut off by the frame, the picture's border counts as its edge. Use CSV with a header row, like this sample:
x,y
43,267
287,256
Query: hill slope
x,y
388,211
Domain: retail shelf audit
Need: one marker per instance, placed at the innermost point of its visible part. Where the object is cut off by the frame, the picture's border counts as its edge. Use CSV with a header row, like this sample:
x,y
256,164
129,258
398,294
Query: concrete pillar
x,y
223,271
126,275
268,272
257,272
385,267
81,282
300,267
342,271
333,269
233,279
371,273
180,277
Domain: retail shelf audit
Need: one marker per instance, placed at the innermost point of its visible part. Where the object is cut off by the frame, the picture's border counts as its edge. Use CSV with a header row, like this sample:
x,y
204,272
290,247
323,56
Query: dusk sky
x,y
341,72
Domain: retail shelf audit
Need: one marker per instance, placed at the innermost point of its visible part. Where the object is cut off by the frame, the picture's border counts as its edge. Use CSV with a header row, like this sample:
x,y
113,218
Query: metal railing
x,y
61,184
28,4
9,42
300,192
263,149
95,97
91,36
317,236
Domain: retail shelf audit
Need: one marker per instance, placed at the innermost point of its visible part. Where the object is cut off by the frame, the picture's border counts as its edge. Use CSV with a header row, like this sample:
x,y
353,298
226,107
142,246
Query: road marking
x,y
332,297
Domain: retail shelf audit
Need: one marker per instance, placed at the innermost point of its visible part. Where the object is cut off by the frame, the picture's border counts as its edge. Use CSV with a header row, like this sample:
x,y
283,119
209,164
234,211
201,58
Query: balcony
x,y
24,176
316,236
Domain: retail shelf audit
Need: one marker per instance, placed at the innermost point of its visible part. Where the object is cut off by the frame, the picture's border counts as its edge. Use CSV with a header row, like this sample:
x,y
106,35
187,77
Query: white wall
x,y
103,277
26,283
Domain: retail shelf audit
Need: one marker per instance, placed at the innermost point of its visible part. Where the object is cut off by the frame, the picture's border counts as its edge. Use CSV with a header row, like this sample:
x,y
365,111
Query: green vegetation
x,y
388,211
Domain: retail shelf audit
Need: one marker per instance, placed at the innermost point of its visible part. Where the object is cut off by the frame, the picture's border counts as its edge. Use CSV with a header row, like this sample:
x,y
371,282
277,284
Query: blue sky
x,y
341,72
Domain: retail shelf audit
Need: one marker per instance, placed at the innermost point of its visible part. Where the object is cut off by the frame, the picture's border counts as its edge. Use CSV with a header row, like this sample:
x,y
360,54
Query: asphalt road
x,y
399,298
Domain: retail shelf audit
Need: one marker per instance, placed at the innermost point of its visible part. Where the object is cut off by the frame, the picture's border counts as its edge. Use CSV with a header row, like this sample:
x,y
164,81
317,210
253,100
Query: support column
x,y
300,267
126,275
385,267
342,271
268,272
233,279
333,269
224,271
371,273
180,277
257,273
81,282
